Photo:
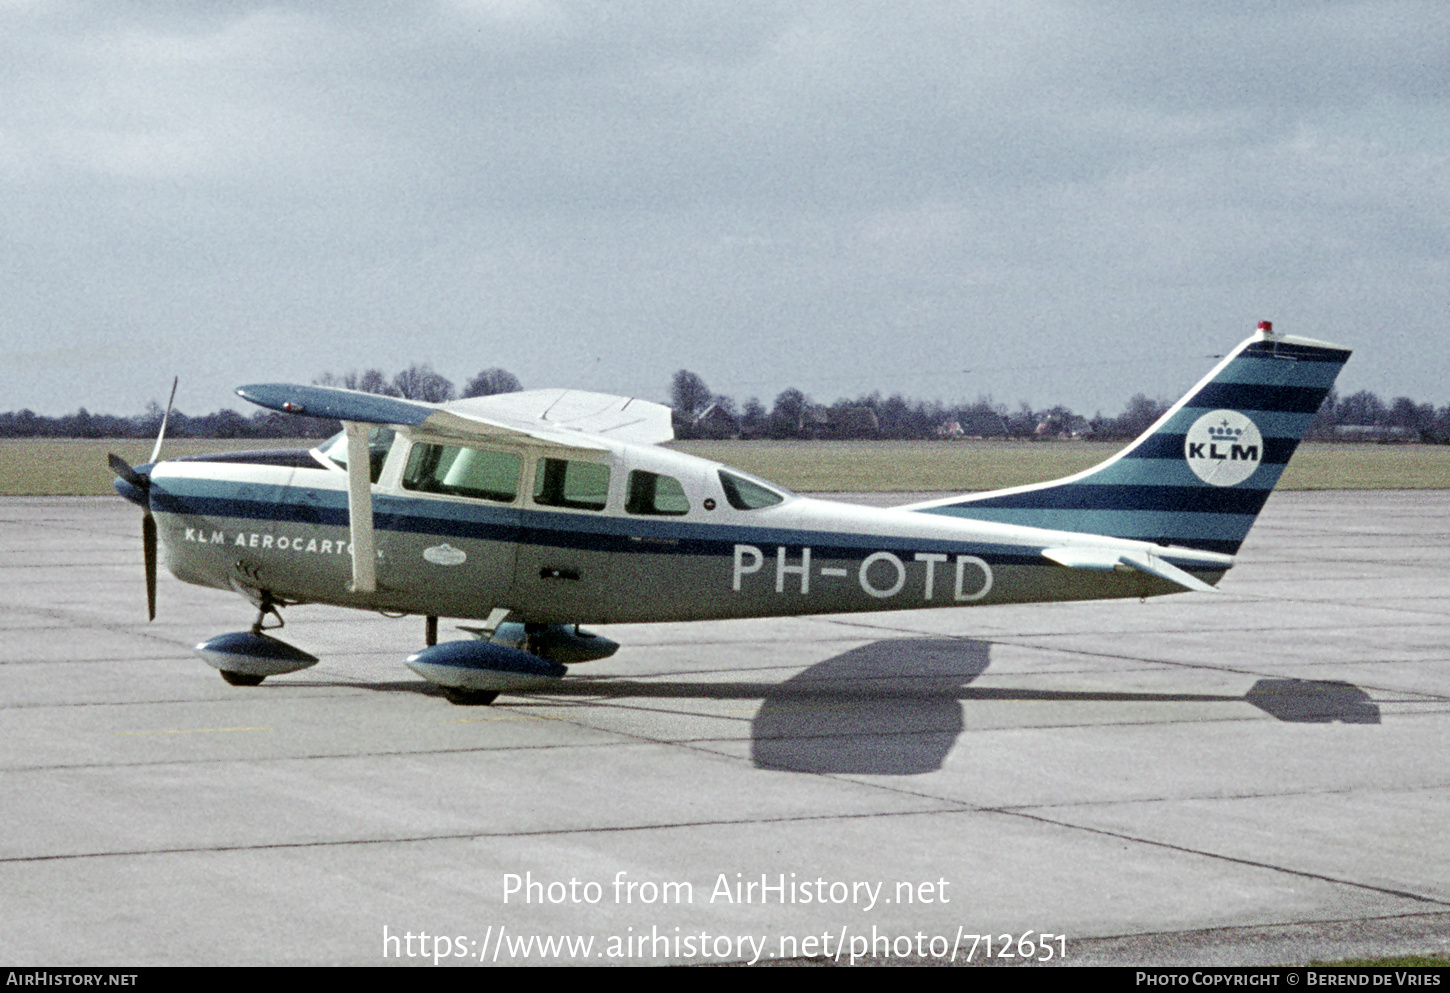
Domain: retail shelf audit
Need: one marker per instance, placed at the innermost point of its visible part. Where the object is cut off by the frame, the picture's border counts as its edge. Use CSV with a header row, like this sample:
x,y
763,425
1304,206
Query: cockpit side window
x,y
467,472
651,493
746,494
380,440
567,483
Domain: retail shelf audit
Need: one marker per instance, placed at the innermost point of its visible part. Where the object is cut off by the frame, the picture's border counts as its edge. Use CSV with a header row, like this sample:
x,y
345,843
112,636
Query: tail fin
x,y
1200,475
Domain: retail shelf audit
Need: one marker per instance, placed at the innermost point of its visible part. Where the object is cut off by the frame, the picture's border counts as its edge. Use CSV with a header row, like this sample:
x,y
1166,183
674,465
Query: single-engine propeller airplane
x,y
533,513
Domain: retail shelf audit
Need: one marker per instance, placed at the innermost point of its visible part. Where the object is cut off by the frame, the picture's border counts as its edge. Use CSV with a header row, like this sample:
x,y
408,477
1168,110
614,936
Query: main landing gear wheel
x,y
468,698
241,678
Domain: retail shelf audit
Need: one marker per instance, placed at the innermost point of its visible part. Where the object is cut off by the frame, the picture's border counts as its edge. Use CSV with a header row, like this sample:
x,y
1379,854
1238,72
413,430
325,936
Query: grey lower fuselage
x,y
283,531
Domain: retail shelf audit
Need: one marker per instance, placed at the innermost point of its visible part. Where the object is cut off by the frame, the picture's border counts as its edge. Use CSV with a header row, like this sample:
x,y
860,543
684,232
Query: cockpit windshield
x,y
380,439
745,493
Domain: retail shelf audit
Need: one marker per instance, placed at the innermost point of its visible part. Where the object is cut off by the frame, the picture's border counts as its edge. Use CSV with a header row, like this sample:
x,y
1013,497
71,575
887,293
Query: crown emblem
x,y
1223,447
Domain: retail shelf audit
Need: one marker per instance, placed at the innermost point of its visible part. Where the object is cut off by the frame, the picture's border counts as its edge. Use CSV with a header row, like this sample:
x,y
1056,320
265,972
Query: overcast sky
x,y
1053,202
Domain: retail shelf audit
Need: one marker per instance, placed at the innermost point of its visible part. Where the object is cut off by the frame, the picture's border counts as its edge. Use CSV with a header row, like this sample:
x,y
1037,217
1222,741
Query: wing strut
x,y
360,507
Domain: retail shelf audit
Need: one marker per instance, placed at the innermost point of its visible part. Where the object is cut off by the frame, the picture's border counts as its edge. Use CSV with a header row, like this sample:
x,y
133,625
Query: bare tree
x,y
420,382
690,394
371,381
754,419
1140,414
785,418
492,381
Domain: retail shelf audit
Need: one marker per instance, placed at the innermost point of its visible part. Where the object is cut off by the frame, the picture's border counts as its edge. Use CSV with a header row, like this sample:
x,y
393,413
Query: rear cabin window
x,y
567,483
465,472
651,493
744,494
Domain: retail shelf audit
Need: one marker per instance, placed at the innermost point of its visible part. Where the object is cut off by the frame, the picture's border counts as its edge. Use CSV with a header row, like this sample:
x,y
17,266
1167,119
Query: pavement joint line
x,y
155,703
1204,666
952,807
192,731
1084,946
640,740
1017,641
633,741
1302,873
313,757
479,835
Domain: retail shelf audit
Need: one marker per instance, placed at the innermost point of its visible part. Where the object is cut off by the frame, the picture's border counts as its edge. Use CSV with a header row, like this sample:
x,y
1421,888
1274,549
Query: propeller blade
x,y
164,418
123,469
148,551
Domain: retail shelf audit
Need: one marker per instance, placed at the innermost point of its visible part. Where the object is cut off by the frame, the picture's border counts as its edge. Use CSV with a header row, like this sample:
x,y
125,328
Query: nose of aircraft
x,y
133,483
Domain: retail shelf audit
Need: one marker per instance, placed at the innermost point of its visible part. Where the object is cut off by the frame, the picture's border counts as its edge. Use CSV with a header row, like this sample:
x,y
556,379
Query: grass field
x,y
78,468
49,467
887,466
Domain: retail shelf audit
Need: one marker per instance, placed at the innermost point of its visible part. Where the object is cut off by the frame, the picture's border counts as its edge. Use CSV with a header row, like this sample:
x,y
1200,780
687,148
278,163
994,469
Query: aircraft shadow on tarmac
x,y
895,707
898,707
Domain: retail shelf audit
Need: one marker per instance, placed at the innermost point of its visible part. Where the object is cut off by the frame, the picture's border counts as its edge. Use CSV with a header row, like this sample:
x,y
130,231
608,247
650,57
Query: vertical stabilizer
x,y
1200,475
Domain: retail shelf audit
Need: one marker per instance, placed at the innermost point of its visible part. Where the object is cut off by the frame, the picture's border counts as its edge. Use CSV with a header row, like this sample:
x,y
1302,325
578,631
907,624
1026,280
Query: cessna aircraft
x,y
536,512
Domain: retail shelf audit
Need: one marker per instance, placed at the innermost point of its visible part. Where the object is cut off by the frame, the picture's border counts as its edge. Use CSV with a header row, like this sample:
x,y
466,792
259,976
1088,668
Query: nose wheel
x,y
245,658
267,606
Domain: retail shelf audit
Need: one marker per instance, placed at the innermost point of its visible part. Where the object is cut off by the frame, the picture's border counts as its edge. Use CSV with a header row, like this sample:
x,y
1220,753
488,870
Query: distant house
x,y
840,422
1063,426
715,422
1374,432
950,429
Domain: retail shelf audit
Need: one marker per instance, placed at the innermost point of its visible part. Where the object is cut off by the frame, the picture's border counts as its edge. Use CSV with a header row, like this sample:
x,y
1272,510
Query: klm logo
x,y
1223,448
1227,438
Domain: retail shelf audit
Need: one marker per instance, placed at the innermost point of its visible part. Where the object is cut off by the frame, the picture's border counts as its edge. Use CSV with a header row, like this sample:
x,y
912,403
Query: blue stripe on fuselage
x,y
443,518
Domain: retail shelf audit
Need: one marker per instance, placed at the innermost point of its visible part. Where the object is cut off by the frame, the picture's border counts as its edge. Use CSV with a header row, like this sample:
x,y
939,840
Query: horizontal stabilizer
x,y
1112,559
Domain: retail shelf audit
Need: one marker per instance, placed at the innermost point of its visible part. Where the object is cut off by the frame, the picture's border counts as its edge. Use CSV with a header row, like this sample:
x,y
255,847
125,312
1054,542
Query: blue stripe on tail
x,y
1199,476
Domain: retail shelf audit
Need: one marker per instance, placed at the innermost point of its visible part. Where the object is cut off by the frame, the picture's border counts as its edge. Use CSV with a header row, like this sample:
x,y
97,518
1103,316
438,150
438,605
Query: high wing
x,y
553,418
626,419
565,419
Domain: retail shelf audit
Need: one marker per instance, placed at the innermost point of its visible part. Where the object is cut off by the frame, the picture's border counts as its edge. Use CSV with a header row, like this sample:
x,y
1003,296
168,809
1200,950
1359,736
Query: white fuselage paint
x,y
285,530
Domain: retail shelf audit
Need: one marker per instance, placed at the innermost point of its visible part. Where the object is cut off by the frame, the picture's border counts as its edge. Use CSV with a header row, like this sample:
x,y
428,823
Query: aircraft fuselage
x,y
598,554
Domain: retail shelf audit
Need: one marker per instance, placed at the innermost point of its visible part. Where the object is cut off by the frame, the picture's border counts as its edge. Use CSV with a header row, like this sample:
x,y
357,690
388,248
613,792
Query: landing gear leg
x,y
430,630
267,606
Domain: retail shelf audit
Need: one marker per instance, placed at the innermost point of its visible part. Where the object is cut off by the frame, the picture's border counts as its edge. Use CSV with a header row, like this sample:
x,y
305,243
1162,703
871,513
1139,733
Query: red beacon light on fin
x,y
1267,327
